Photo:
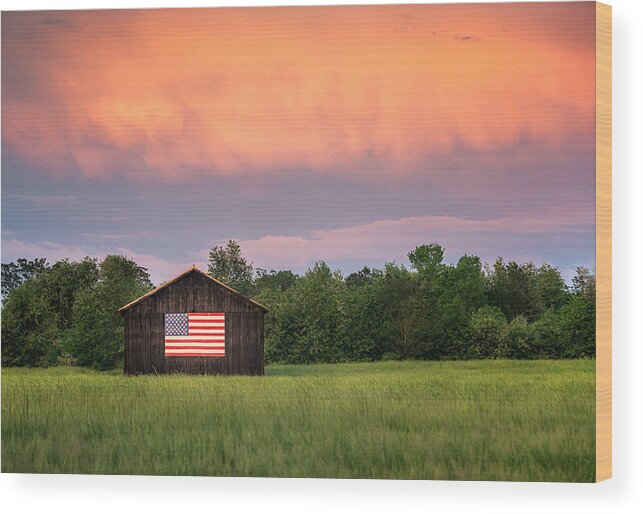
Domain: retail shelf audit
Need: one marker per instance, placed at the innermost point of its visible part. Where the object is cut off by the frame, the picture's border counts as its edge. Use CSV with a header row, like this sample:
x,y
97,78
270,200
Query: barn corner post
x,y
194,324
125,338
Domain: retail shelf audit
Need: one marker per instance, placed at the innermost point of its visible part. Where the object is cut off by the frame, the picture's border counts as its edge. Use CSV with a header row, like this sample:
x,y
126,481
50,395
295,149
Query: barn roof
x,y
191,269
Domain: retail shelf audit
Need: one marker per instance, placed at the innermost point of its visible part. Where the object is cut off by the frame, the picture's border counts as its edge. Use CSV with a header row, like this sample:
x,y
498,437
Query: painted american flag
x,y
195,334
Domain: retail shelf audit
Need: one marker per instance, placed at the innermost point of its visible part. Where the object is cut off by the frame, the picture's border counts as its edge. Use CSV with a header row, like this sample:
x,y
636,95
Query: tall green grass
x,y
484,420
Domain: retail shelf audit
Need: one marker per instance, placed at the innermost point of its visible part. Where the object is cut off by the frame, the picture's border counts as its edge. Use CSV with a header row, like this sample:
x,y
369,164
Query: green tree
x,y
369,332
427,260
402,308
551,290
38,313
460,291
577,321
306,325
577,327
62,284
278,280
518,339
420,309
30,329
546,338
18,272
95,337
361,278
584,283
488,334
225,263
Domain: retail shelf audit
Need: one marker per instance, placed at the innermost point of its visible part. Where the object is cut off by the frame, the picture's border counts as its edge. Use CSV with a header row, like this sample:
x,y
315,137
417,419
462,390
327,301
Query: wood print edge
x,y
603,242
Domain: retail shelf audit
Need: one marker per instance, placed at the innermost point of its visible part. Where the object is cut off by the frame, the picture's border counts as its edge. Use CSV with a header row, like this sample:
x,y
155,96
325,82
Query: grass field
x,y
481,420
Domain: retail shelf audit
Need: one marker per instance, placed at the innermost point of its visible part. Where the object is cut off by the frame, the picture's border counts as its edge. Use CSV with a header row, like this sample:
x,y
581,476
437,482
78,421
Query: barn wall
x,y
144,330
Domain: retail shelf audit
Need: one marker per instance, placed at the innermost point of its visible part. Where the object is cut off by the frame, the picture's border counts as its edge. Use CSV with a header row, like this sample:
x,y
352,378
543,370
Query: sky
x,y
344,134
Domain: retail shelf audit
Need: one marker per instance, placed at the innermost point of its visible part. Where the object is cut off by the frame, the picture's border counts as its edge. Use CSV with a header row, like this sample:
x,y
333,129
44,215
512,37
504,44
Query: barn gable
x,y
195,281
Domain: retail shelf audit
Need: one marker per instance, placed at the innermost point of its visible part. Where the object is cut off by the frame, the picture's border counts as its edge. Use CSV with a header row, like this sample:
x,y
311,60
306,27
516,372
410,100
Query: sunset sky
x,y
348,134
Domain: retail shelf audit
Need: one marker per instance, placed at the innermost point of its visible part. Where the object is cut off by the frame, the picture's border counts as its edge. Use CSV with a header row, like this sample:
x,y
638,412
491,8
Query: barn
x,y
194,324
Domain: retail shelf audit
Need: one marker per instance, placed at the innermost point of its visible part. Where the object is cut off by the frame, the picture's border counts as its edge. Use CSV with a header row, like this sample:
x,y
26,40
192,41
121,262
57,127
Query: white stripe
x,y
215,337
207,325
218,318
211,352
207,331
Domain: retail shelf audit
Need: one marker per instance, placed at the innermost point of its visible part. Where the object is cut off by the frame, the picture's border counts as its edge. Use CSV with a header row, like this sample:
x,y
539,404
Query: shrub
x,y
578,327
488,334
546,338
519,339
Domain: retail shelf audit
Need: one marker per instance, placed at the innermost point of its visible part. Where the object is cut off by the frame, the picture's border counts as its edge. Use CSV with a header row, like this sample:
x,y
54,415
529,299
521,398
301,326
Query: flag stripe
x,y
196,338
188,352
193,347
194,341
195,354
219,344
202,350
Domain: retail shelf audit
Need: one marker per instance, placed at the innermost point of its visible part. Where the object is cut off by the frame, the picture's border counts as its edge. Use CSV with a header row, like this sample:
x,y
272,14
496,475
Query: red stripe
x,y
195,354
213,334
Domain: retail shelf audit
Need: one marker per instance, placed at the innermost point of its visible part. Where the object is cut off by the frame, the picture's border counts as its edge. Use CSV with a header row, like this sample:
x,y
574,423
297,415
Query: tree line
x,y
67,313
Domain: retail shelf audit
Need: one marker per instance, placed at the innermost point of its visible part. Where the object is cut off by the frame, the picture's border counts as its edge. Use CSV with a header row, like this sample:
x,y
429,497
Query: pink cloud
x,y
159,269
391,239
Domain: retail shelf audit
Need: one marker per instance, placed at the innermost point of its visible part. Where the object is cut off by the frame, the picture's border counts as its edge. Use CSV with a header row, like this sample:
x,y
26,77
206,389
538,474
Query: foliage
x,y
488,334
276,280
30,330
524,289
518,339
18,272
96,334
230,267
67,312
307,328
578,327
546,341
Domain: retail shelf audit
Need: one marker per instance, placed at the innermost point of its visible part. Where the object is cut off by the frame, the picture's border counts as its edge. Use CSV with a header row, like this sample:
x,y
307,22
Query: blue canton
x,y
176,324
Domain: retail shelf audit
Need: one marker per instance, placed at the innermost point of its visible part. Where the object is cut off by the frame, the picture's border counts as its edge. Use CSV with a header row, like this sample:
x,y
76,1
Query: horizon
x,y
203,266
349,134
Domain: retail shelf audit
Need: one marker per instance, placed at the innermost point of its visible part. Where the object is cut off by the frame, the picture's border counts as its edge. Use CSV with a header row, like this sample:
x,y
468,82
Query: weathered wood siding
x,y
244,335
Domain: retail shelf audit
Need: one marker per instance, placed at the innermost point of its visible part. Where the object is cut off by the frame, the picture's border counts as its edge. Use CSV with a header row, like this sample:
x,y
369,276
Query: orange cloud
x,y
180,93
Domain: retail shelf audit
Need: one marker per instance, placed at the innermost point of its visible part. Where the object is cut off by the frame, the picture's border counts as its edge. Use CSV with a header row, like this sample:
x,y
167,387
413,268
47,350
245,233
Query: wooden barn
x,y
194,324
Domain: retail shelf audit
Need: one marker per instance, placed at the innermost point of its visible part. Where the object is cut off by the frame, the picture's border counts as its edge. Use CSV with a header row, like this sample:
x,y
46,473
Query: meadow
x,y
473,420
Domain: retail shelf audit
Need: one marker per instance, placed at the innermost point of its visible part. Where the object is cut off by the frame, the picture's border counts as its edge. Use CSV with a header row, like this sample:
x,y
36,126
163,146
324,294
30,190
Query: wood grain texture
x,y
193,292
603,242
